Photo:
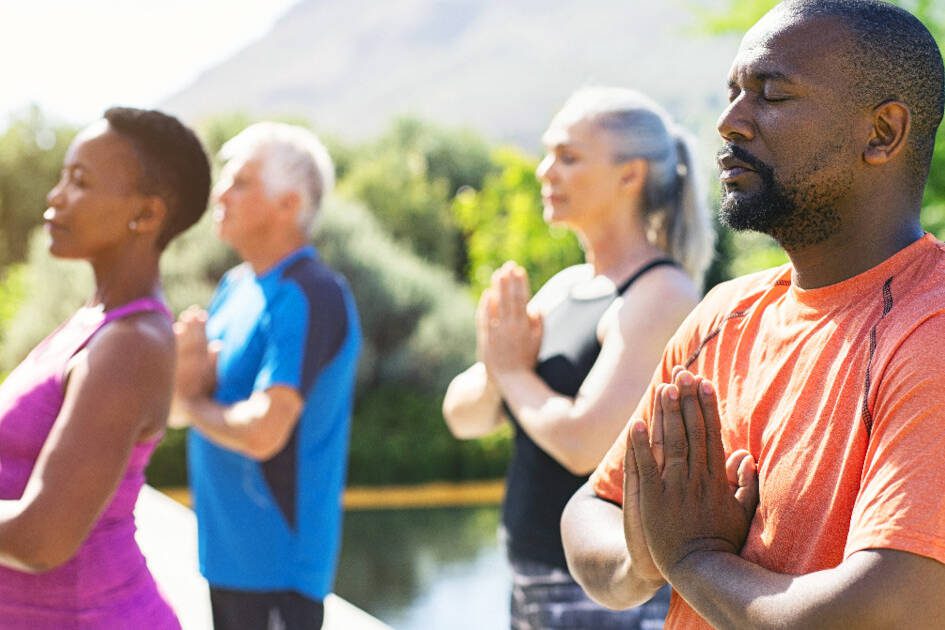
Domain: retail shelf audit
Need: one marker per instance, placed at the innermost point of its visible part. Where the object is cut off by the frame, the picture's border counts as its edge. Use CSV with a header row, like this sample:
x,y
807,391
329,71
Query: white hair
x,y
293,159
674,206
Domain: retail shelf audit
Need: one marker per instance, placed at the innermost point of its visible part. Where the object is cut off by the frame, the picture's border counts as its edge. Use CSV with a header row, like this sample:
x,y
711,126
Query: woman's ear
x,y
633,174
891,124
150,216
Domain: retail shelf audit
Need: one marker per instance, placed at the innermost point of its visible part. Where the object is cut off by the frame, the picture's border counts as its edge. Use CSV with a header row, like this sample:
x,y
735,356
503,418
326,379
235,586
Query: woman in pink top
x,y
81,415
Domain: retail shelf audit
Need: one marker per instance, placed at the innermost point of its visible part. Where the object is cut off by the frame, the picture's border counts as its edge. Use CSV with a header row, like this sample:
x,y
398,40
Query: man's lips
x,y
732,168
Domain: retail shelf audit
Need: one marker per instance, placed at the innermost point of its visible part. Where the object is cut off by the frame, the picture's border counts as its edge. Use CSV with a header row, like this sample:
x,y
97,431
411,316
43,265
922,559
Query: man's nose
x,y
736,121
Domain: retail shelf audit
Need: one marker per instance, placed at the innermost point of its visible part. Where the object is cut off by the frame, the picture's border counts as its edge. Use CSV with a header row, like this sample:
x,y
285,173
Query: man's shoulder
x,y
309,286
741,293
924,279
917,293
314,277
726,304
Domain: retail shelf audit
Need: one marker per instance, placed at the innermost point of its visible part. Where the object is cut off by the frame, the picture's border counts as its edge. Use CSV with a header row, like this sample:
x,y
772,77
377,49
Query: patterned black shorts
x,y
546,597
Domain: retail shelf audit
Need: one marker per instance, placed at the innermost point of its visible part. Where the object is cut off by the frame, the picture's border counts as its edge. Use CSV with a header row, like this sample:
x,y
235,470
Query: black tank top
x,y
537,486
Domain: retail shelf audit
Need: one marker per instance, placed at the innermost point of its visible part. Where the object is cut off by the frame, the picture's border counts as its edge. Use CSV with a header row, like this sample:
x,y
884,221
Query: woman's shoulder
x,y
559,285
146,335
665,284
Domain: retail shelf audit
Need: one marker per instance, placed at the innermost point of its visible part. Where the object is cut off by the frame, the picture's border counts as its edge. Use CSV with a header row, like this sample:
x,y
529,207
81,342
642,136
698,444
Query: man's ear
x,y
290,202
891,124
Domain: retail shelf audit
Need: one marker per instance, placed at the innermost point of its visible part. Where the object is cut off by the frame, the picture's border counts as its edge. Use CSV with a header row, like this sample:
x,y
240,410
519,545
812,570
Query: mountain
x,y
499,67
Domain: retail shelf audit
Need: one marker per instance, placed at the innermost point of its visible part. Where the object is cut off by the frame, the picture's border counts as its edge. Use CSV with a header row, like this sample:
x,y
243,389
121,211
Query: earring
x,y
133,225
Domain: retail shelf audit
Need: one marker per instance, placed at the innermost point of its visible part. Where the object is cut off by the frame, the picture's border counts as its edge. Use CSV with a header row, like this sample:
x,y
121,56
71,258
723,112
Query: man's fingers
x,y
632,520
745,474
747,493
631,479
675,444
647,471
691,410
715,450
731,466
656,427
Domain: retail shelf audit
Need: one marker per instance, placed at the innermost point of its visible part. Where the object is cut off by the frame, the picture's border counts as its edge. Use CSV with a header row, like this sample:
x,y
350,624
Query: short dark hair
x,y
174,165
893,57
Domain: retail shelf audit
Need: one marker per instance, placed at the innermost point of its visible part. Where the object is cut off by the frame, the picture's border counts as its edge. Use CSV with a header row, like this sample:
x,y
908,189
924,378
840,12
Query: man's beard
x,y
796,215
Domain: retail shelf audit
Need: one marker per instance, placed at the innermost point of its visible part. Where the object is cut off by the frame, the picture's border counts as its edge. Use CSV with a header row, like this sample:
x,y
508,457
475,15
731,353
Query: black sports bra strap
x,y
659,262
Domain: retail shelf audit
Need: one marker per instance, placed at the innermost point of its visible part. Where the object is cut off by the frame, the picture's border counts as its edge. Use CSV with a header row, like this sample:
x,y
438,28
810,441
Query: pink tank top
x,y
107,583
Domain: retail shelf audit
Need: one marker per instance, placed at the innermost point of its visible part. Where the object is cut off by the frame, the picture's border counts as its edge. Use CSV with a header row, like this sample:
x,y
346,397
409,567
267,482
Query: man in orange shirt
x,y
825,371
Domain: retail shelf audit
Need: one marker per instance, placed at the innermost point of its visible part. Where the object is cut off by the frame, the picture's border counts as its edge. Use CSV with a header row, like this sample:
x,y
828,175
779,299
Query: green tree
x,y
408,178
417,321
503,221
31,153
418,330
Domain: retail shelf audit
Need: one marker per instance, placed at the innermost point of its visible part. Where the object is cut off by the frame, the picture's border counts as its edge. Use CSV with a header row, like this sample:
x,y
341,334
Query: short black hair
x,y
893,57
174,164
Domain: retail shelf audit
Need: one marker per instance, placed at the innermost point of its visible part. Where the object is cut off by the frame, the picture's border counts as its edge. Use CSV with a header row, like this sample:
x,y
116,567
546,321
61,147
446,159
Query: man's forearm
x,y
597,553
219,423
730,592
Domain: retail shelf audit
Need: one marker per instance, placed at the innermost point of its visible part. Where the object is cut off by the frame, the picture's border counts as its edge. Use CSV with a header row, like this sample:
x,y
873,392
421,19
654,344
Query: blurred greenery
x,y
408,177
503,221
12,292
422,217
417,318
31,152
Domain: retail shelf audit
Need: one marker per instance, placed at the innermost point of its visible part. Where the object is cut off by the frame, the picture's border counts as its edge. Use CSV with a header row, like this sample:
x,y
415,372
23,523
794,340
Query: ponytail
x,y
689,237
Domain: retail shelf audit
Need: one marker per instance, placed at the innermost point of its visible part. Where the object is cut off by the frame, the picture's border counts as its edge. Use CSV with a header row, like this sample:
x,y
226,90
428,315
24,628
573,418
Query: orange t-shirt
x,y
838,394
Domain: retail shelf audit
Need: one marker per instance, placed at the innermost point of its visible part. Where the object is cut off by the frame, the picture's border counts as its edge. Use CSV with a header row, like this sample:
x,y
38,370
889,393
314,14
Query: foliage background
x,y
422,216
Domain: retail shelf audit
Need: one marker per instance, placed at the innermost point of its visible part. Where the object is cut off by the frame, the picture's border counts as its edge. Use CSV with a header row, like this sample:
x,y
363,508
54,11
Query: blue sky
x,y
75,58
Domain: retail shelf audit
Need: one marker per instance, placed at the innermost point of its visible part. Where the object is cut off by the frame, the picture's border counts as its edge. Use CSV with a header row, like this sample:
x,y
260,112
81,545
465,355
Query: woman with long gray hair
x,y
568,365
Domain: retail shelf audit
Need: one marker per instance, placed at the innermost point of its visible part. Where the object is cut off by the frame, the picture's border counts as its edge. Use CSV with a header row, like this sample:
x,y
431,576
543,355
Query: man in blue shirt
x,y
266,377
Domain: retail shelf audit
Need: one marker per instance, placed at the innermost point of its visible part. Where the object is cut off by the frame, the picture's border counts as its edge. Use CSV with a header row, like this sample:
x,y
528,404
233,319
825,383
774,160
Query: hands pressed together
x,y
681,495
508,333
195,372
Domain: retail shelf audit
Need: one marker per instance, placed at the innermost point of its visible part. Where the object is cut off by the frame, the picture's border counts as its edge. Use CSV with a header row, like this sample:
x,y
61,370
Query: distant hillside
x,y
501,67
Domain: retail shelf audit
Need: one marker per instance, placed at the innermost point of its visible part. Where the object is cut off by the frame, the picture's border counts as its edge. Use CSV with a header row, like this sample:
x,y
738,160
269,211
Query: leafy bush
x,y
417,319
31,152
418,333
52,290
503,221
12,292
408,177
399,436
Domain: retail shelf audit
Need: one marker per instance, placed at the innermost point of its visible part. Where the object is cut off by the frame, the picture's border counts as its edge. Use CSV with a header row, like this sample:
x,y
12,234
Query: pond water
x,y
424,569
